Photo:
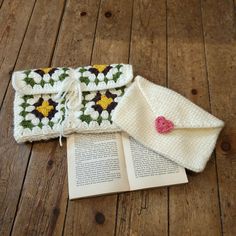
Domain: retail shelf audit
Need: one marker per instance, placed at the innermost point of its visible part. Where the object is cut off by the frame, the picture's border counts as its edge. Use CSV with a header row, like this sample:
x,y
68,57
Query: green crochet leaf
x,y
27,72
51,81
23,113
26,124
82,70
106,80
116,76
96,81
84,93
84,102
50,123
86,118
24,105
29,96
29,81
99,120
26,97
119,66
63,76
63,109
63,116
42,83
84,80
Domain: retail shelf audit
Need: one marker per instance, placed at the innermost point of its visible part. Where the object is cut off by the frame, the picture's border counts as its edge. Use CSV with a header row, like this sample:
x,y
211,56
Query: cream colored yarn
x,y
190,143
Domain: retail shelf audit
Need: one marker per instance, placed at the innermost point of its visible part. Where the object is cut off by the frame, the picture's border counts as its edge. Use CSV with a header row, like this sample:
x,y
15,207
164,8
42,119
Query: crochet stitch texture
x,y
195,131
39,113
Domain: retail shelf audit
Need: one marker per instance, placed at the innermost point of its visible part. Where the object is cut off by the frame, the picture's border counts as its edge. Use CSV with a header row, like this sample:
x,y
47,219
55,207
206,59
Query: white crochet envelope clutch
x,y
51,102
168,123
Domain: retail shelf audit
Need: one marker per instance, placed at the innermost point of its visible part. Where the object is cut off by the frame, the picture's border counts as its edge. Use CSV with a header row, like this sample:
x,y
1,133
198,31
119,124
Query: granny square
x,y
52,102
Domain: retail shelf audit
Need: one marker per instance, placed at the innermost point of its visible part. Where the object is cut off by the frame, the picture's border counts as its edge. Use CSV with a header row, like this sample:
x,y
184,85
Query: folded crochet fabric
x,y
168,123
50,102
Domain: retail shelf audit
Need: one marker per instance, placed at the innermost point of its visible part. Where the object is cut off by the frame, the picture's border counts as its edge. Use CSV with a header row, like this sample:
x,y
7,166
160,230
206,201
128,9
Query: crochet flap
x,y
174,109
92,78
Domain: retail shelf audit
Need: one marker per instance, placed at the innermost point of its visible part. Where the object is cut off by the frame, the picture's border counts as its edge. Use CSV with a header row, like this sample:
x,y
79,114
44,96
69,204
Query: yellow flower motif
x,y
100,68
46,70
104,102
45,108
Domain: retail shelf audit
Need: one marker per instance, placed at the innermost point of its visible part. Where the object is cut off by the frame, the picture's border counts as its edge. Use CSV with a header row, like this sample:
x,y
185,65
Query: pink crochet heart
x,y
163,125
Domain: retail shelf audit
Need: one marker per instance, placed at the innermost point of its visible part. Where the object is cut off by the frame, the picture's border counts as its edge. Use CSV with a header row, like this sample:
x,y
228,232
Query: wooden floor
x,y
188,45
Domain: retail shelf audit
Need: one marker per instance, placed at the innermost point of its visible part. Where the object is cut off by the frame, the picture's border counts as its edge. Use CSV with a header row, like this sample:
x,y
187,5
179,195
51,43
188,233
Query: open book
x,y
114,162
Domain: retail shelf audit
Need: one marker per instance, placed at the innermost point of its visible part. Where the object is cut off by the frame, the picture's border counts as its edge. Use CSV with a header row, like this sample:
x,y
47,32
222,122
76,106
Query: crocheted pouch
x,y
50,102
168,123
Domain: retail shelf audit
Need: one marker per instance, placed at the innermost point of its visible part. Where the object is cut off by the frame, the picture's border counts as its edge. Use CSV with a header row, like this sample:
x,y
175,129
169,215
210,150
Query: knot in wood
x,y
108,14
50,162
194,91
100,218
83,13
225,146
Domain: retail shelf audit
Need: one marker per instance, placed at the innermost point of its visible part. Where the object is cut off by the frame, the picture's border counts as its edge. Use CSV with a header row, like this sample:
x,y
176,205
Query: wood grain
x,y
73,51
35,52
1,2
146,212
74,47
113,32
42,205
193,208
97,216
14,17
48,216
148,41
220,37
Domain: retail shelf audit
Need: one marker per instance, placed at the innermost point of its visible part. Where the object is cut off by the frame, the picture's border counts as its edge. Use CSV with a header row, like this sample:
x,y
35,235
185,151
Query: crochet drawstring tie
x,y
72,93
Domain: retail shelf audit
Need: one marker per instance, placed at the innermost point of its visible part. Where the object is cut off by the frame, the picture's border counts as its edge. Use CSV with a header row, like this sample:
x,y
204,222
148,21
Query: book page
x,y
148,169
96,164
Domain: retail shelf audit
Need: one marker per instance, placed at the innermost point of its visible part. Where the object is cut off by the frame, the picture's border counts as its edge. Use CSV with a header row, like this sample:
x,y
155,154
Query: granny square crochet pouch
x,y
168,123
52,102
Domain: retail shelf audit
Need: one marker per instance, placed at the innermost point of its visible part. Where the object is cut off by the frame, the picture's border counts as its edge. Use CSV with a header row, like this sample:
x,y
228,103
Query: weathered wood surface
x,y
36,51
219,27
98,216
187,74
189,46
14,19
146,212
1,2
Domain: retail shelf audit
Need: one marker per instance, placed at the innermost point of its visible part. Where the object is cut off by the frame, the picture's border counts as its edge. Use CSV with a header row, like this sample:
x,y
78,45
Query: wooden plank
x,y
35,52
97,216
193,208
40,211
46,208
1,2
148,41
146,212
113,32
14,17
219,31
74,47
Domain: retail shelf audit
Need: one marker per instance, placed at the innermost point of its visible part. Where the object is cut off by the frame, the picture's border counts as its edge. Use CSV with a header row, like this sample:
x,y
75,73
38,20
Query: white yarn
x,y
195,132
20,86
65,88
71,91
